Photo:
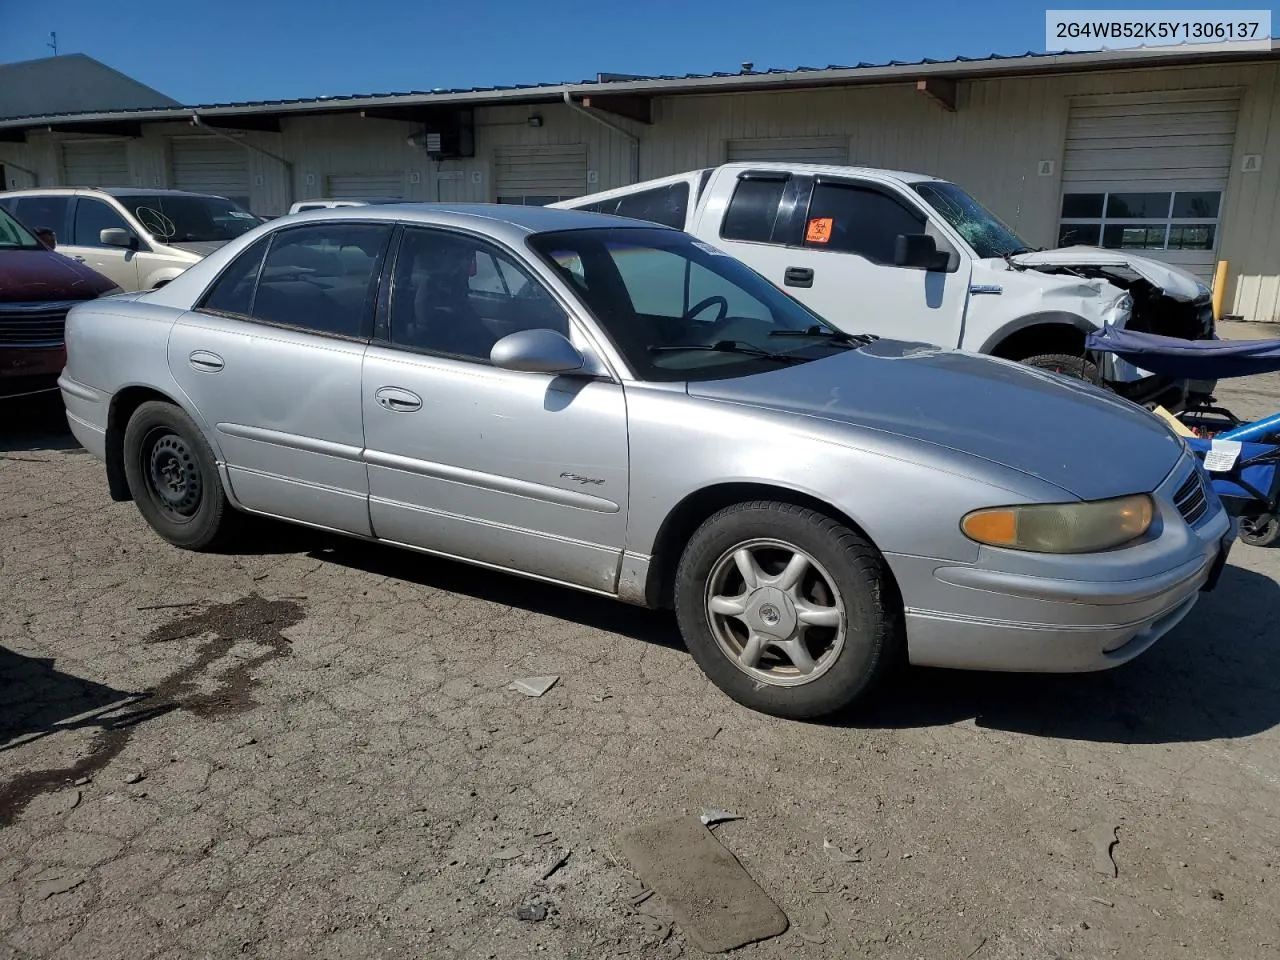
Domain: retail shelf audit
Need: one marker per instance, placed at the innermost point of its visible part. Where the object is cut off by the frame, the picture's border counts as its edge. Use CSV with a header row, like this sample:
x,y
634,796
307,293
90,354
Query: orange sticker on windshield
x,y
818,231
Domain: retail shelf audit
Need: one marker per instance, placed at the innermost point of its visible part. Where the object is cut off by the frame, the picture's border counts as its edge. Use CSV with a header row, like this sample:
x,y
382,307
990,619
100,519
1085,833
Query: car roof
x,y
829,168
109,191
524,219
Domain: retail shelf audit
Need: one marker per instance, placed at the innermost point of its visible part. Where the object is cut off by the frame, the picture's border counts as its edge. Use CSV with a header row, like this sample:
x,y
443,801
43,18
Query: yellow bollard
x,y
1219,289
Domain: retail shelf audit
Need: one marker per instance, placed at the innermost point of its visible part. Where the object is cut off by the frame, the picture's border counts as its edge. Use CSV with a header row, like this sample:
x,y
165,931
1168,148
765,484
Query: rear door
x,y
271,361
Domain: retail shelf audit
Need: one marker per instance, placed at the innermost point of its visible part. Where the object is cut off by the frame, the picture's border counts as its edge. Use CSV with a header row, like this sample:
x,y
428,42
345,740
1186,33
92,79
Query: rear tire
x,y
173,477
816,632
1260,531
1065,364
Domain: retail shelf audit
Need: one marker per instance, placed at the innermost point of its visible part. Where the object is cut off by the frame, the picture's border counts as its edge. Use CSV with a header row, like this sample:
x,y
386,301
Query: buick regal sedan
x,y
621,408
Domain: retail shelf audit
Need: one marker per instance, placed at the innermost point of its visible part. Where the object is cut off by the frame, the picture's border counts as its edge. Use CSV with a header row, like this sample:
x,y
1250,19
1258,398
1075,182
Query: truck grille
x,y
30,327
1190,498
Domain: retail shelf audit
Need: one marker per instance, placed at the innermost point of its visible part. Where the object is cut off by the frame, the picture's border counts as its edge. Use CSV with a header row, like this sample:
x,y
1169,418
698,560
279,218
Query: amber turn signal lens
x,y
1085,527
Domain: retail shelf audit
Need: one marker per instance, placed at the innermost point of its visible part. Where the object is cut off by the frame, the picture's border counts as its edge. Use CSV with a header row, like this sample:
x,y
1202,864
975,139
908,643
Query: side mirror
x,y
920,251
47,237
117,237
537,351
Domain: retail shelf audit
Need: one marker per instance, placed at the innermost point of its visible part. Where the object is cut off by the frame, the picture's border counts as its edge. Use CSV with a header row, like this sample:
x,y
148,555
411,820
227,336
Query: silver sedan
x,y
620,408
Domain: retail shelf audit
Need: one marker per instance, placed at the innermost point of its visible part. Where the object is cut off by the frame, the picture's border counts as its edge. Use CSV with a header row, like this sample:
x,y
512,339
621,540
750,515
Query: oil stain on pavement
x,y
37,701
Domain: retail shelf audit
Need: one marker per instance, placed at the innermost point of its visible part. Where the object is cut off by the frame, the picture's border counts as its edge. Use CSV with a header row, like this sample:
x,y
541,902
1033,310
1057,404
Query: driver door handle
x,y
397,399
798,277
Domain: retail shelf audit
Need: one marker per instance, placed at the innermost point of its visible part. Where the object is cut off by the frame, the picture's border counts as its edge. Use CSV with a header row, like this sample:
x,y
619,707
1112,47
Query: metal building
x,y
1167,152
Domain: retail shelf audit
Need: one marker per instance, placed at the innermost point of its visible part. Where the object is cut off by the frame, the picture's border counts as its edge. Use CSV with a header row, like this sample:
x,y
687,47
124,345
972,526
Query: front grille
x,y
29,328
1190,498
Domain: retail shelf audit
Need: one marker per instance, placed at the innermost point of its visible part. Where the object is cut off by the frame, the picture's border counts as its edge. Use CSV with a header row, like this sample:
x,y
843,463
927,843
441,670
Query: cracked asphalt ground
x,y
307,749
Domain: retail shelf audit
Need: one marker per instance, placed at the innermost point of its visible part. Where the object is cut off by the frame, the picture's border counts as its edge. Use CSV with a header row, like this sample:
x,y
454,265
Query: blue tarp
x,y
1193,359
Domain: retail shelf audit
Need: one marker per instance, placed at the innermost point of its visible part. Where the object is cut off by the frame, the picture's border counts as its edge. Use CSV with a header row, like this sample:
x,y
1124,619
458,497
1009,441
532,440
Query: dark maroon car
x,y
37,288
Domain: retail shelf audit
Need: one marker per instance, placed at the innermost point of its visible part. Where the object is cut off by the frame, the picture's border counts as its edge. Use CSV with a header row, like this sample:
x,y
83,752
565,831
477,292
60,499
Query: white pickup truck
x,y
911,257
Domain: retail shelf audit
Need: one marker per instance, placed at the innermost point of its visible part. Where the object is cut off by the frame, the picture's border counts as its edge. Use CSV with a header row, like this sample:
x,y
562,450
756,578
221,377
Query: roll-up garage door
x,y
211,166
540,175
1148,172
95,163
833,150
365,186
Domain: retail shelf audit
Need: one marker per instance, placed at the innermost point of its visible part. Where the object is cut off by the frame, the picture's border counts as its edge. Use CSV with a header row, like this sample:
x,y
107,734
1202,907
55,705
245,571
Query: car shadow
x,y
29,425
1215,676
563,603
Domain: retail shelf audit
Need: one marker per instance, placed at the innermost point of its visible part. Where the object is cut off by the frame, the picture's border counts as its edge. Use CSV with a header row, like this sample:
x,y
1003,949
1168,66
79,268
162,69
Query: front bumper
x,y
1097,612
30,369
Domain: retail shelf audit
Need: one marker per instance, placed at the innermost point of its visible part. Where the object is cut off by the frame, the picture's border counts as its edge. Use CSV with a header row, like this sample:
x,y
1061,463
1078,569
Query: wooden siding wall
x,y
993,145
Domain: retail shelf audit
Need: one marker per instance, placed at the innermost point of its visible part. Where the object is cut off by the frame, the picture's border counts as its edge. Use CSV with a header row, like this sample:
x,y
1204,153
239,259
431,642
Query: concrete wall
x,y
992,144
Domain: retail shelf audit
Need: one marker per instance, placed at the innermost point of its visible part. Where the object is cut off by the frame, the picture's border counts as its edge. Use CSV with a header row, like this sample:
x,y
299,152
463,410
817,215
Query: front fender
x,y
160,276
1043,318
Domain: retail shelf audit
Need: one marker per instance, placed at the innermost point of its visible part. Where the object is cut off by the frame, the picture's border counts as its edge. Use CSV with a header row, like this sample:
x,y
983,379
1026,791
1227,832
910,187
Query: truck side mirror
x,y
919,251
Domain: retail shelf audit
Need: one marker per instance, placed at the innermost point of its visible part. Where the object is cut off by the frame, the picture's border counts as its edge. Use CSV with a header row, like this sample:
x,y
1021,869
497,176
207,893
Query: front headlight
x,y
1062,527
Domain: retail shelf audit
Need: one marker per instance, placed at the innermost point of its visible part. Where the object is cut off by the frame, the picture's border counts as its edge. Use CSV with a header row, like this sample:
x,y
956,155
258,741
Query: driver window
x,y
455,295
92,217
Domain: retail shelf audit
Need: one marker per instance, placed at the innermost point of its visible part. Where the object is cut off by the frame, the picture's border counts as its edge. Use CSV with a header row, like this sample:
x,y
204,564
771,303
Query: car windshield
x,y
177,218
680,309
14,236
983,230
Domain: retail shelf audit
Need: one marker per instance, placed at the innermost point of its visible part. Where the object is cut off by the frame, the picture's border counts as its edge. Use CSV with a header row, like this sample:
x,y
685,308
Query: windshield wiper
x,y
828,333
730,346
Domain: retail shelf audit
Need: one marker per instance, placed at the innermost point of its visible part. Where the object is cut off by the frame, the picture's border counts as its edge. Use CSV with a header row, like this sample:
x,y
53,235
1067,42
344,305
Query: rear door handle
x,y
397,399
798,277
205,362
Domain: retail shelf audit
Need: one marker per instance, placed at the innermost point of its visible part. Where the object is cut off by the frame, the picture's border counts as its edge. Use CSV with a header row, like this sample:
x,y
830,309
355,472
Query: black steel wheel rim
x,y
173,474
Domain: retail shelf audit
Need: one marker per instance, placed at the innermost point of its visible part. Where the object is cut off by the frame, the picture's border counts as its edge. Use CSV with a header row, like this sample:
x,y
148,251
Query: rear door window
x,y
753,210
322,278
39,213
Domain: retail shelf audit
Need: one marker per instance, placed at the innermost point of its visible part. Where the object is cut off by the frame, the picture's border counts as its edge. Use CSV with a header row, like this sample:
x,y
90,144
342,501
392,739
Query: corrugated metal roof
x,y
994,64
71,84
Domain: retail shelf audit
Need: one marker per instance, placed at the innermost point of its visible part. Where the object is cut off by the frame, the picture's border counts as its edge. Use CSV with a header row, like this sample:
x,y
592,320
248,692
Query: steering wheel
x,y
701,305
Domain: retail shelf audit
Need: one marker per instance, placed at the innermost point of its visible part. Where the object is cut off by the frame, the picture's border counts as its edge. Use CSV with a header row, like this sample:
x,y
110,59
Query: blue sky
x,y
239,50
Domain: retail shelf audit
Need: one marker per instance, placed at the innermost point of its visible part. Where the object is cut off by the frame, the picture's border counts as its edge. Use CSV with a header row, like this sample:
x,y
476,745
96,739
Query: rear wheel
x,y
1260,531
1065,364
173,477
786,610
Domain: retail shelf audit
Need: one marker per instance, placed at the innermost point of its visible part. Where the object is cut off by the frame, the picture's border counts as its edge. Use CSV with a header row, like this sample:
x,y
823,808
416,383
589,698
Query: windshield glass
x,y
185,219
983,230
680,309
14,236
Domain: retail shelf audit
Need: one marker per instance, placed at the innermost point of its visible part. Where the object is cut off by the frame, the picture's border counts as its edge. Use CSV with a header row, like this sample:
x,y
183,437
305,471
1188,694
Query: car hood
x,y
1068,433
1173,282
200,247
34,276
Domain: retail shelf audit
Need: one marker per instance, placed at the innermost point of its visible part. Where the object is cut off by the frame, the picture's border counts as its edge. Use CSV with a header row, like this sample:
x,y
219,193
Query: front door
x,y
844,267
271,361
118,264
524,471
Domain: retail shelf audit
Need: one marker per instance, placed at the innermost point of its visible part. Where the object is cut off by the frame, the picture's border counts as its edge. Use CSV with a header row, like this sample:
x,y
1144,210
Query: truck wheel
x,y
1065,364
787,611
173,477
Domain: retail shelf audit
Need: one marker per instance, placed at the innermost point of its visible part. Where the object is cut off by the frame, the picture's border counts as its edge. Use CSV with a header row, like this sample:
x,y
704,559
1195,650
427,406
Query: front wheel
x,y
173,477
1065,364
786,610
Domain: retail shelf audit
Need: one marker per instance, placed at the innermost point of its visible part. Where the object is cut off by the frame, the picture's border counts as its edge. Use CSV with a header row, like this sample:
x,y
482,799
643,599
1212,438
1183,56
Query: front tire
x,y
1065,364
786,610
173,477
